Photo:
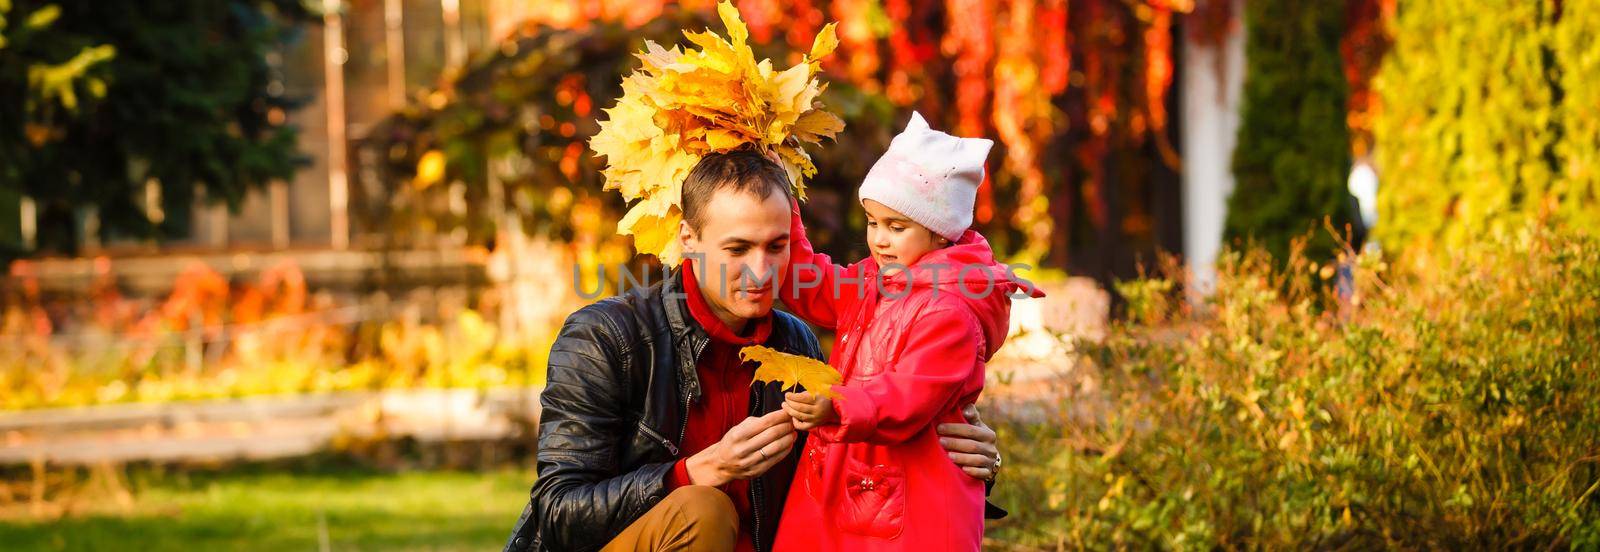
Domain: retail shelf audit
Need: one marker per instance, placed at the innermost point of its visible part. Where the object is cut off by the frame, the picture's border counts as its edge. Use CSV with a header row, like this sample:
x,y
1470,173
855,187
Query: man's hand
x,y
809,410
746,451
971,445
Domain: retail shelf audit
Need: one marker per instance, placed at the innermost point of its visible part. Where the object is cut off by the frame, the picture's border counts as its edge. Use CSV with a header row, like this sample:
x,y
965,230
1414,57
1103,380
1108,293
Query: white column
x,y
455,48
335,56
1210,124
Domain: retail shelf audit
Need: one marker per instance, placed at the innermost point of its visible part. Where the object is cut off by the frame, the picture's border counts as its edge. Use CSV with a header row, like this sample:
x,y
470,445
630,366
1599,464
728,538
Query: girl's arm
x,y
936,367
814,288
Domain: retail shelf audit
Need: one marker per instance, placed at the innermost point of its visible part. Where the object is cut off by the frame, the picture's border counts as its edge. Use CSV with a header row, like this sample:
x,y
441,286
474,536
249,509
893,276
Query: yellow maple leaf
x,y
660,234
816,124
826,41
656,58
796,89
790,370
723,139
798,164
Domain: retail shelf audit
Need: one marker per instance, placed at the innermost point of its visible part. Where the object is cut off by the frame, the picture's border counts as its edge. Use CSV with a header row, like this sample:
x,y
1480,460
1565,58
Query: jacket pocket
x,y
811,469
656,438
874,501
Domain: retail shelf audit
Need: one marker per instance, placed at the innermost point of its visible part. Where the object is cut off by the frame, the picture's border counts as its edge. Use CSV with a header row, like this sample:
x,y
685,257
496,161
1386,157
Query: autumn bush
x,y
211,339
1440,401
1490,119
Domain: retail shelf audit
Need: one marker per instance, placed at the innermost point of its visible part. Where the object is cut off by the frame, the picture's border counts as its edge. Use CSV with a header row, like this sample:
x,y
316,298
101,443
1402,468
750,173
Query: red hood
x,y
967,263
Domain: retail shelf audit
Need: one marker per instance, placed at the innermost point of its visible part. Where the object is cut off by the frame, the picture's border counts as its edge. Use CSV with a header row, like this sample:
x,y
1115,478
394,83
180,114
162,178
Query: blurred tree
x,y
1293,155
1490,119
506,138
102,98
47,86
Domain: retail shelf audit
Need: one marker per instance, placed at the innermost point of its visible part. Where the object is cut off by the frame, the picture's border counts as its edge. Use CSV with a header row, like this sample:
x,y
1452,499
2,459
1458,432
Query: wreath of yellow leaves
x,y
683,104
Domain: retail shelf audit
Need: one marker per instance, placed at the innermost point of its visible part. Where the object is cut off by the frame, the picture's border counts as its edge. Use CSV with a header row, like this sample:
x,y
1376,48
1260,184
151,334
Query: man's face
x,y
740,253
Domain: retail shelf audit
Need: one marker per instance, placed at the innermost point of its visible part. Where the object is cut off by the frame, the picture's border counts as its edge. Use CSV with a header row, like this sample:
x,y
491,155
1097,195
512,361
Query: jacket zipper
x,y
671,448
683,425
683,420
755,490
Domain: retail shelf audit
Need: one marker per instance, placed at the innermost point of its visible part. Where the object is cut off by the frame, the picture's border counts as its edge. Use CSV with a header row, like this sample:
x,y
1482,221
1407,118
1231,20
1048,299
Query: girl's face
x,y
897,241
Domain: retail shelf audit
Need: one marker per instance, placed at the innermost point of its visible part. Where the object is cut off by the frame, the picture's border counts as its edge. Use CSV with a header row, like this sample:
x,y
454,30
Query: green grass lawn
x,y
268,510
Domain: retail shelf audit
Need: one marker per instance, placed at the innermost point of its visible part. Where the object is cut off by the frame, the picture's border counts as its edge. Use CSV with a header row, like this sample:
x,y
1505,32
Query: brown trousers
x,y
694,518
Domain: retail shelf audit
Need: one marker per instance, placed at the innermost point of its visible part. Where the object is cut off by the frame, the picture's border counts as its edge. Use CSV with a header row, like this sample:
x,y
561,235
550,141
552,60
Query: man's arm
x,y
579,501
974,447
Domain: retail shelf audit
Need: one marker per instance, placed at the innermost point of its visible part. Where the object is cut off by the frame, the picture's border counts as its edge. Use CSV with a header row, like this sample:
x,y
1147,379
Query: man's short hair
x,y
743,171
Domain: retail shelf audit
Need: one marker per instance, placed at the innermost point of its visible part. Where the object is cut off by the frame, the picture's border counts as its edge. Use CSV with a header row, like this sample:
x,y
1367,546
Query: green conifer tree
x,y
1293,155
104,96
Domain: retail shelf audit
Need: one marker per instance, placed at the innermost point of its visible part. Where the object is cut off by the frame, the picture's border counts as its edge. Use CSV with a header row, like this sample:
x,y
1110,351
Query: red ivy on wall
x,y
1024,71
1364,44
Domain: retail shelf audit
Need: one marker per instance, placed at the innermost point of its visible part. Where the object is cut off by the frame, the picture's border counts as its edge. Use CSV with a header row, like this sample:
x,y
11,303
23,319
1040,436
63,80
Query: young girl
x,y
916,323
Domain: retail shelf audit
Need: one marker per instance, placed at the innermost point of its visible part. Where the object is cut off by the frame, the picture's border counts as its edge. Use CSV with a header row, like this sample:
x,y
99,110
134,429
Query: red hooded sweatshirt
x,y
725,397
911,351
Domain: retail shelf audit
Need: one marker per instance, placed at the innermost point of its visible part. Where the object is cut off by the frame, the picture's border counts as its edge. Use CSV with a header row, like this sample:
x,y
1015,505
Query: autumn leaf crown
x,y
684,104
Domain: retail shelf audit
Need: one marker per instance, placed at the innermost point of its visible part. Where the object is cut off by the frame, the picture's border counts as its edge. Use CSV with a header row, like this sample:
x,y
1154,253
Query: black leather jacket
x,y
621,379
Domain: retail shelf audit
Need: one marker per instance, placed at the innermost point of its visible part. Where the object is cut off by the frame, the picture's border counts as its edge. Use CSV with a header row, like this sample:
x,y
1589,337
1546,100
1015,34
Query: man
x,y
652,436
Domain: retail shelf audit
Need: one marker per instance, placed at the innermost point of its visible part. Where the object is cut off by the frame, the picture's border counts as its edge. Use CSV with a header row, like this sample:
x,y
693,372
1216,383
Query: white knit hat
x,y
930,177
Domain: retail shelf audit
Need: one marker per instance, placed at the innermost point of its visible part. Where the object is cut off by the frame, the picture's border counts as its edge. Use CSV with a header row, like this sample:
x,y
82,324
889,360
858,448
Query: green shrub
x,y
1450,403
1490,118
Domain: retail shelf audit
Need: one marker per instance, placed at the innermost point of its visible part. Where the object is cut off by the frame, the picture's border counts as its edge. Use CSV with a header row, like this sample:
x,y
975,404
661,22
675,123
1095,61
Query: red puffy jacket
x,y
912,351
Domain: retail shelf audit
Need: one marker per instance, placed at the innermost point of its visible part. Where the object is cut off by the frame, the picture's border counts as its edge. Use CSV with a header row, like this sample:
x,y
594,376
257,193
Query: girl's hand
x,y
809,410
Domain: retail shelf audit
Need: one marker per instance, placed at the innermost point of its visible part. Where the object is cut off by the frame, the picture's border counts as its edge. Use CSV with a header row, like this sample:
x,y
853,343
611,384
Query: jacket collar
x,y
688,338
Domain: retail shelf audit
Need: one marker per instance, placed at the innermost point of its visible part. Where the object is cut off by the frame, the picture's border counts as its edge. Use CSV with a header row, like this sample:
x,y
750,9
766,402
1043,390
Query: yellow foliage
x,y
816,376
685,103
430,169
